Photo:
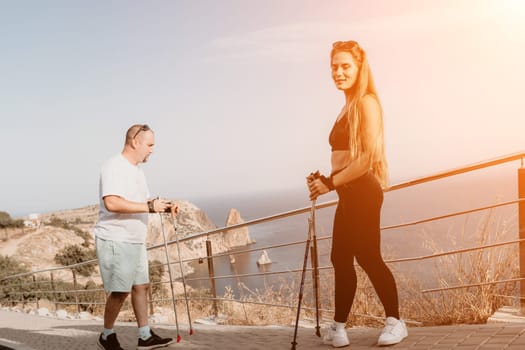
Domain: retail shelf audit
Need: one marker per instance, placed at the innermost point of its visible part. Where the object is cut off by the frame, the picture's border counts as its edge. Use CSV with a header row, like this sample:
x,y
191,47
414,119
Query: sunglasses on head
x,y
344,44
142,128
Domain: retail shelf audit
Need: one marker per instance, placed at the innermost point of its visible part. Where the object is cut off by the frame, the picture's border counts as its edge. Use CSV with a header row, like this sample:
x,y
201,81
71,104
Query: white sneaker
x,y
394,331
336,336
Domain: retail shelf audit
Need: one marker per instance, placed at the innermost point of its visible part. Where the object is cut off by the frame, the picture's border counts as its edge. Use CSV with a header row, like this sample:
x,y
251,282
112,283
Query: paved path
x,y
27,332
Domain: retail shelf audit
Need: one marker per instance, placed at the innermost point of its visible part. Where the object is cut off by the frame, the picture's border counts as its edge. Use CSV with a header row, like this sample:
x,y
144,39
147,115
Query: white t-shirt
x,y
121,178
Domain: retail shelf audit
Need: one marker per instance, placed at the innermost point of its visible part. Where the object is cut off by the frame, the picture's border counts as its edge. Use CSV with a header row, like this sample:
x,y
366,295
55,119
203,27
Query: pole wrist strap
x,y
151,208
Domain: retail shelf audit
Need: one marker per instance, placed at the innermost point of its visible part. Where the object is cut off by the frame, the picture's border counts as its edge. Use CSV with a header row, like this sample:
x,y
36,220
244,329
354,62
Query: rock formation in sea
x,y
238,236
191,220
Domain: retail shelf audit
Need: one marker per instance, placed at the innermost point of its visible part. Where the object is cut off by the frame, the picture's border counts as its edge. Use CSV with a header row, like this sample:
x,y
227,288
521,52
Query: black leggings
x,y
357,234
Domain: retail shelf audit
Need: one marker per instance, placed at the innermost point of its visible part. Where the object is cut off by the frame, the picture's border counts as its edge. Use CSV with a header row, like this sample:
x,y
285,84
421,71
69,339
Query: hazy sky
x,y
239,92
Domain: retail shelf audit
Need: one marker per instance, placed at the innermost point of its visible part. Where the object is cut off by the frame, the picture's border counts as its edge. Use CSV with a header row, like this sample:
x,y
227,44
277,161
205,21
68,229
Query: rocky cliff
x,y
192,220
36,248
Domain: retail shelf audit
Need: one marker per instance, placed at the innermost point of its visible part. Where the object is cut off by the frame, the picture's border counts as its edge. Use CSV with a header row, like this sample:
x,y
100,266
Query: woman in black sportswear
x,y
359,173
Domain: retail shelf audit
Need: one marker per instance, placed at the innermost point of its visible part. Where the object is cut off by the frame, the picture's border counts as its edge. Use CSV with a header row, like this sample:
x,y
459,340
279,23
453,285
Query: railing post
x,y
75,287
22,298
150,297
211,273
521,226
53,290
36,292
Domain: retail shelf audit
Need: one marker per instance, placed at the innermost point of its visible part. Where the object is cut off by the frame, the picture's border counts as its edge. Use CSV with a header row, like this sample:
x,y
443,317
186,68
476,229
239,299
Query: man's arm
x,y
117,204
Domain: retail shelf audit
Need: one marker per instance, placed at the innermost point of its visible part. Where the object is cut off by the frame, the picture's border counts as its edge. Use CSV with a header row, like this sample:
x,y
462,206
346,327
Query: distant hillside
x,y
37,247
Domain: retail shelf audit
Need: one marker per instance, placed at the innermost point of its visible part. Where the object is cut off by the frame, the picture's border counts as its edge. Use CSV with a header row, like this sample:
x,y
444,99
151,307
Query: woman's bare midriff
x,y
340,160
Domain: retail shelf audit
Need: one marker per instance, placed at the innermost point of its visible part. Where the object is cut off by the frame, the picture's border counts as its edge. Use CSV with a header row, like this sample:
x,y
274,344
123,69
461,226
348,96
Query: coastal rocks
x,y
43,311
213,320
264,259
84,315
238,236
158,318
191,220
61,314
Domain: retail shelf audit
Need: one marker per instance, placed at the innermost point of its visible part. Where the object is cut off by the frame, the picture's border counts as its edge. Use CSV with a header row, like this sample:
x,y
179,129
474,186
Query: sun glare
x,y
510,8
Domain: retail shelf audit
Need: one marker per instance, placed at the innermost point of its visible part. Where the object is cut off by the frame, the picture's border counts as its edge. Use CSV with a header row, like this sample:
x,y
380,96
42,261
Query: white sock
x,y
339,325
106,332
144,332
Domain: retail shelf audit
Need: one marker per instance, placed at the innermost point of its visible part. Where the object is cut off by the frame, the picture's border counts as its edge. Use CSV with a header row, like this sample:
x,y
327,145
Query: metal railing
x,y
20,287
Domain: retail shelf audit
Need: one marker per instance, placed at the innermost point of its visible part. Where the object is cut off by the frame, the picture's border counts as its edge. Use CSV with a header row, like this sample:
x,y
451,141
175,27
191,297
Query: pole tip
x,y
178,338
191,331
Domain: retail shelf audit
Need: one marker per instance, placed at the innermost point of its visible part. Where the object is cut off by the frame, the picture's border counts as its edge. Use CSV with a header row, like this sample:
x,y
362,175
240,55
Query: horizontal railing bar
x,y
50,269
228,253
508,296
457,171
240,301
473,285
282,271
383,228
189,279
331,311
435,218
249,223
440,175
458,251
437,176
79,303
257,249
424,257
59,291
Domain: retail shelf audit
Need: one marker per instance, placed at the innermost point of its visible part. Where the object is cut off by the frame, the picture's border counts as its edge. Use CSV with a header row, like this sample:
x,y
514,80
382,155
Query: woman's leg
x,y
368,247
345,288
382,280
344,270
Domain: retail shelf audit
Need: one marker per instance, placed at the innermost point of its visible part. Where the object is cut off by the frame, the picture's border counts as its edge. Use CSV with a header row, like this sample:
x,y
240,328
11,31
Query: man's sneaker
x,y
394,331
336,337
111,342
153,342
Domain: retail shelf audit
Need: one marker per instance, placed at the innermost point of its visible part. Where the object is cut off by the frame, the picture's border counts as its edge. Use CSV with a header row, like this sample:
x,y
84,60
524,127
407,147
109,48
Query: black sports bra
x,y
340,135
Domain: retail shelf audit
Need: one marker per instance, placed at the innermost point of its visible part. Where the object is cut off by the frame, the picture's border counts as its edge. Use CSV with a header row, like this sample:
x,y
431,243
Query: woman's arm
x,y
371,127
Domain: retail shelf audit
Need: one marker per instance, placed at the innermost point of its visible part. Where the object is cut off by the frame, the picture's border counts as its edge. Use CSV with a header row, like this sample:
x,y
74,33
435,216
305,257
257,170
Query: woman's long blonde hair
x,y
364,85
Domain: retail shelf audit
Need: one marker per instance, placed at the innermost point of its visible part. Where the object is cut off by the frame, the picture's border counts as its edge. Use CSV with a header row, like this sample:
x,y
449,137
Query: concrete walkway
x,y
27,332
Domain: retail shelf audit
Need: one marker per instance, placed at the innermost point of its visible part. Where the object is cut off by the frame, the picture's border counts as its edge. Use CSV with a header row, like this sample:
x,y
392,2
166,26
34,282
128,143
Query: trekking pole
x,y
314,260
173,212
171,278
303,274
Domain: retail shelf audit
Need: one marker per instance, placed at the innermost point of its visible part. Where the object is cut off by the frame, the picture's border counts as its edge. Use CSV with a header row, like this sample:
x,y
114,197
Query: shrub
x,y
11,288
74,254
156,270
6,221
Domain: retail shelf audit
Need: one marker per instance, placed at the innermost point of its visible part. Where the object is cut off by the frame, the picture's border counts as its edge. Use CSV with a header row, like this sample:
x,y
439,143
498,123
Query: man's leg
x,y
139,300
112,309
147,338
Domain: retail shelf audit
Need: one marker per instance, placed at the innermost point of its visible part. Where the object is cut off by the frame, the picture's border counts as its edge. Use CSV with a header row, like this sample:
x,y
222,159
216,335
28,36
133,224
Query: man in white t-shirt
x,y
121,234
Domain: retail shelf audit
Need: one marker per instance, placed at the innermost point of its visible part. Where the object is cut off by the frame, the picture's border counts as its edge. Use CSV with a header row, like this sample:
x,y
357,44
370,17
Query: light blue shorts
x,y
122,265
